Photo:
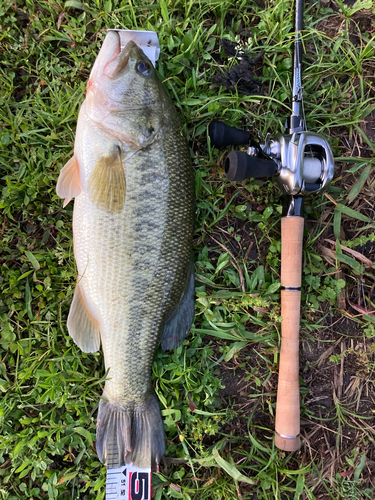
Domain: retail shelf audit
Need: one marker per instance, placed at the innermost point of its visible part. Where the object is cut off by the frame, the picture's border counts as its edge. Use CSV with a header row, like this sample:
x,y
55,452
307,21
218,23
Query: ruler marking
x,y
128,483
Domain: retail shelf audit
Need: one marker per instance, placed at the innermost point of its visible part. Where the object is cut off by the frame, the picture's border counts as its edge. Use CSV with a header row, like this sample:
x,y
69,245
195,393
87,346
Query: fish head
x,y
124,94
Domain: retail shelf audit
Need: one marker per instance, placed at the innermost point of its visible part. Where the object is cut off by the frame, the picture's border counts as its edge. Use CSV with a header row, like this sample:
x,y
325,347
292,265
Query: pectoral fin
x,y
179,322
107,184
82,326
69,183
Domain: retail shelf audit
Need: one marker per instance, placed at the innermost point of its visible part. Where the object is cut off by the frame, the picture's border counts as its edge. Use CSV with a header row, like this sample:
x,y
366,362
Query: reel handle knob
x,y
239,166
222,135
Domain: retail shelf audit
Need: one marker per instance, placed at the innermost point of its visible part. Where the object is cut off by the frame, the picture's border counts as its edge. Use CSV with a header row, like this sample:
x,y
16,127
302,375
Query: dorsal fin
x,y
179,321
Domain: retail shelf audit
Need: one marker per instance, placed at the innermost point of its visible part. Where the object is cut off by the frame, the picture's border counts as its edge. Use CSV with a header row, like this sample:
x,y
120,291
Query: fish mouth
x,y
115,66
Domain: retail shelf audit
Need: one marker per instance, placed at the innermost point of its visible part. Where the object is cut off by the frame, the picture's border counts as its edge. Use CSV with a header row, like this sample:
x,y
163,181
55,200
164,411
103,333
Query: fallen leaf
x,y
360,309
67,477
175,487
261,309
192,405
355,254
346,474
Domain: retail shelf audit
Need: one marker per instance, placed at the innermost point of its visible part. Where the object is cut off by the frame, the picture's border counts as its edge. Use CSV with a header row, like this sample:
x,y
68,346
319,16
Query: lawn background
x,y
217,391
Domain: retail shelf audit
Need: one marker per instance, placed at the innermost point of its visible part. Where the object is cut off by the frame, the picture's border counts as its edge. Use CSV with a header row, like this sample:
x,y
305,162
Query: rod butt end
x,y
287,443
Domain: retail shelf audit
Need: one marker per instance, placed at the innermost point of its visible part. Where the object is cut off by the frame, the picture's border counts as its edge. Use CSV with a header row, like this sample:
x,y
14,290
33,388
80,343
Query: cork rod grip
x,y
288,404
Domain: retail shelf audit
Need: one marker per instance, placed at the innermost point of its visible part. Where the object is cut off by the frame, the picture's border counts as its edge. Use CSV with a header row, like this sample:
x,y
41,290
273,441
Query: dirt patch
x,y
368,126
240,237
338,393
241,77
360,22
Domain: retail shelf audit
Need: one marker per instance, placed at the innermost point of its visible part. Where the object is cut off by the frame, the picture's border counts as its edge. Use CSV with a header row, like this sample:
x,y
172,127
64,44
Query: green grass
x,y
50,389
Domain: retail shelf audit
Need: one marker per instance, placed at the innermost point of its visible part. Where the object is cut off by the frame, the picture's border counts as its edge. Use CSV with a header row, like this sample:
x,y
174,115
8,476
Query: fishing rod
x,y
302,164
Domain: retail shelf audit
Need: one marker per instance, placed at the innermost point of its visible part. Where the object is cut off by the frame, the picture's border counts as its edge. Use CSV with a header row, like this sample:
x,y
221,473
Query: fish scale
x,y
116,277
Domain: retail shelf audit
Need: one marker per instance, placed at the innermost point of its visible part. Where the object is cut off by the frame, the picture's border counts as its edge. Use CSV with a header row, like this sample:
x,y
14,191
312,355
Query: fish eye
x,y
144,68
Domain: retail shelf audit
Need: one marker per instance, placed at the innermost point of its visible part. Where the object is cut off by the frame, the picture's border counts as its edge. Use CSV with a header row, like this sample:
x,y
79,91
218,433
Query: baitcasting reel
x,y
301,161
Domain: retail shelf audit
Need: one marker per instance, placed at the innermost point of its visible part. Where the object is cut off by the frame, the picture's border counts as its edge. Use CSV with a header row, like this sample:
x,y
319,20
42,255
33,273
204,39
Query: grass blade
x,y
231,470
337,224
352,213
356,189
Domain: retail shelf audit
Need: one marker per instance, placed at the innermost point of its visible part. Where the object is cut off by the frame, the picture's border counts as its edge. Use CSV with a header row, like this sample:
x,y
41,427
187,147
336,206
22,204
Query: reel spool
x,y
312,169
305,162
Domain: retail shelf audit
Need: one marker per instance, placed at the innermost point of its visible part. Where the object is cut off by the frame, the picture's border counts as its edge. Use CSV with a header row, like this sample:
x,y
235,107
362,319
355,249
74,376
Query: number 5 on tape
x,y
128,483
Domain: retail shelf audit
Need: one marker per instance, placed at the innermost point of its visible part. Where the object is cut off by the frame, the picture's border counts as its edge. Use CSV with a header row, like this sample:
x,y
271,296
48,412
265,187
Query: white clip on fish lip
x,y
148,41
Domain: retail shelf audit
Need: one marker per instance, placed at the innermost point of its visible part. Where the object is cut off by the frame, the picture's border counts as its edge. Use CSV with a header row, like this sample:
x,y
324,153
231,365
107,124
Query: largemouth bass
x,y
131,178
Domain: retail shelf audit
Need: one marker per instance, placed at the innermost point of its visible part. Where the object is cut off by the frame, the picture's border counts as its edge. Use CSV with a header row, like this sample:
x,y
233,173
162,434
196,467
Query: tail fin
x,y
125,435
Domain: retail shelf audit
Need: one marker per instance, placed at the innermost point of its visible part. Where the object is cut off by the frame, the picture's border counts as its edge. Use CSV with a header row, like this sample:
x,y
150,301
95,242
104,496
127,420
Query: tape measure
x,y
128,483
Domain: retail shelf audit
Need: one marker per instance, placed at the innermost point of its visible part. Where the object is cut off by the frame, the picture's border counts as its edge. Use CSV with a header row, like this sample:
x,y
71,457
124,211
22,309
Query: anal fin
x,y
179,321
82,326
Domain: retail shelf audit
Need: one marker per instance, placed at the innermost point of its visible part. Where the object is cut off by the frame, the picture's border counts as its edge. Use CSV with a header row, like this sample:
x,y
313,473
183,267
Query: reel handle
x,y
288,397
239,166
223,135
